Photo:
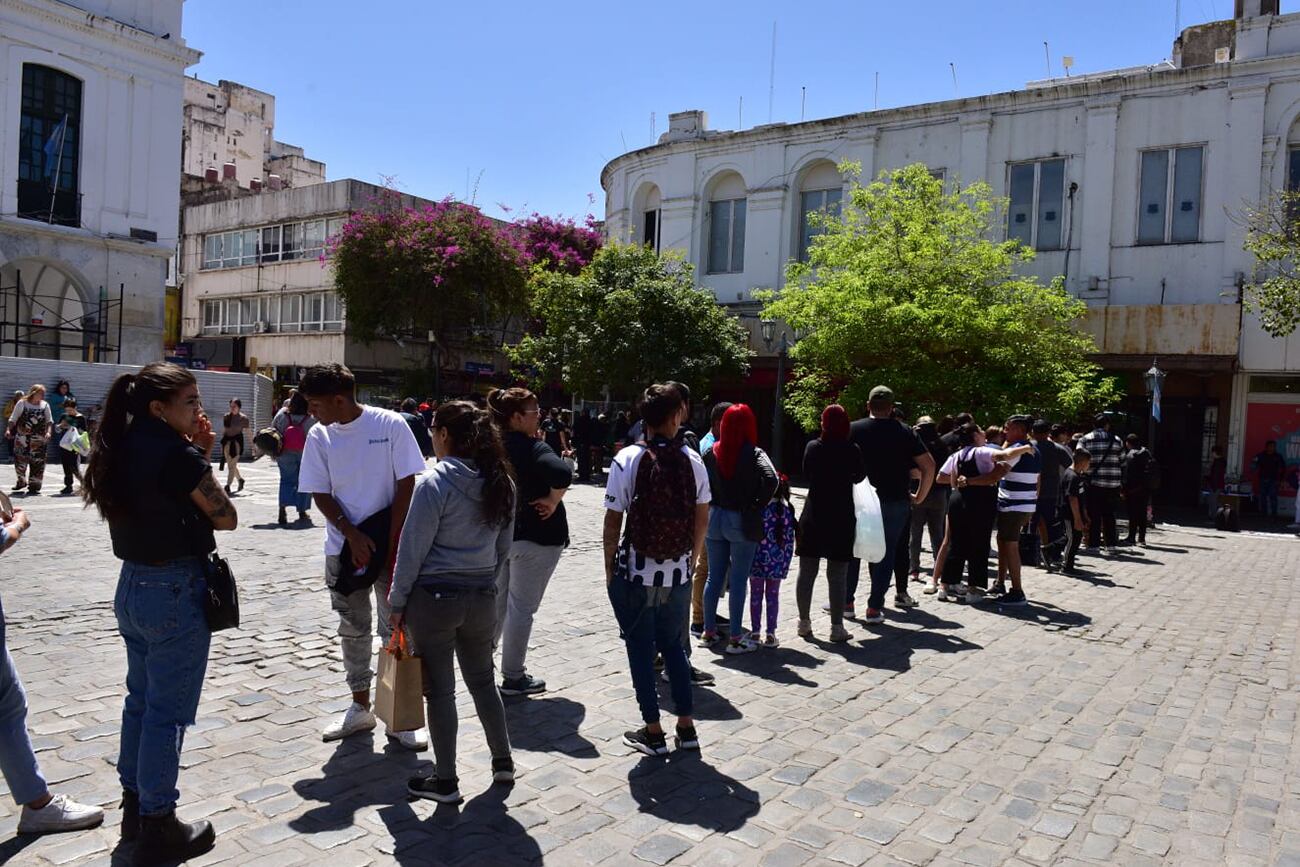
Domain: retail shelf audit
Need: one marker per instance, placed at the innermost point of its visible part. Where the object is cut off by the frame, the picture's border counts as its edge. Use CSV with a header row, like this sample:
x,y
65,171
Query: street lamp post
x,y
1154,378
768,327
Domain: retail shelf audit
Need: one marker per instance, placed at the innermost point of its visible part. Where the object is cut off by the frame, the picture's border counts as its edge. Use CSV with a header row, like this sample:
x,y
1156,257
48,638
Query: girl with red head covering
x,y
832,465
742,480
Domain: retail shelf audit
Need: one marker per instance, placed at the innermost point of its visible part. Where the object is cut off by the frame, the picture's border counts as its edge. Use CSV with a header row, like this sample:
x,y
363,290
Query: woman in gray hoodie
x,y
454,544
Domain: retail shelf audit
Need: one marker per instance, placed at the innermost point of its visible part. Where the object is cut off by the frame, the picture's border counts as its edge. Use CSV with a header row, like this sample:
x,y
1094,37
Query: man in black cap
x,y
890,450
1055,460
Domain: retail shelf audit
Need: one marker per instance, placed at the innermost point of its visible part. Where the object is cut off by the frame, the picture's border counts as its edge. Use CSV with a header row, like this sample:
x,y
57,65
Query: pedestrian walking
x,y
556,432
293,422
30,424
10,404
701,572
662,488
1017,501
454,547
42,812
61,394
359,465
772,562
742,481
1075,486
890,450
150,478
1139,471
233,425
929,514
973,473
70,458
1270,468
600,434
541,533
1049,518
582,444
410,413
832,465
1105,476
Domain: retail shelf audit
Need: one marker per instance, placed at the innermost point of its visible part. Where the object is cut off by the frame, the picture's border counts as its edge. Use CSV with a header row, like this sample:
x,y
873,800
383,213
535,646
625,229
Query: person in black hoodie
x,y
541,532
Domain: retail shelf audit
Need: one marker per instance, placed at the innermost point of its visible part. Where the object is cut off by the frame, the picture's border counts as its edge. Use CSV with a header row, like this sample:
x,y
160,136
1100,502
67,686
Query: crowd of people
x,y
454,559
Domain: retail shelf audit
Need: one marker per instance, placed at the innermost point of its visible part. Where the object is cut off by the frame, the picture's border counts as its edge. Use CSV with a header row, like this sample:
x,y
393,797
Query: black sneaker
x,y
659,662
1013,597
434,789
526,685
643,741
696,630
698,678
241,486
687,739
503,770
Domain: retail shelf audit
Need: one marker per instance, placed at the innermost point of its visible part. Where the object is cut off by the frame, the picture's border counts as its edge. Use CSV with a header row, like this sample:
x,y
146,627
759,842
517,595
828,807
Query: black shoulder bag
x,y
221,602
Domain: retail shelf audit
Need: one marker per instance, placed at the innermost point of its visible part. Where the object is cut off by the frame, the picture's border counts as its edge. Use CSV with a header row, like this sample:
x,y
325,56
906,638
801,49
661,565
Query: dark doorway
x,y
1179,444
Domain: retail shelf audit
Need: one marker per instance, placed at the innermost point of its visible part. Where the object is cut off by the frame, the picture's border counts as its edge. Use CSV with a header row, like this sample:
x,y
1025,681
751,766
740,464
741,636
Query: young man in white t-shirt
x,y
359,460
652,597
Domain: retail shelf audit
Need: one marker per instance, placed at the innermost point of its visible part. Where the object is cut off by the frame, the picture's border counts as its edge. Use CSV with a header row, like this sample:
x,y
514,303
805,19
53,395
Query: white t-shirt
x,y
358,464
619,490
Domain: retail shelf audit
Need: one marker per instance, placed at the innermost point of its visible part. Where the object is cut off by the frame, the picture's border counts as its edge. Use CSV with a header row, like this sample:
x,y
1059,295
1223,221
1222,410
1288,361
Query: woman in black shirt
x,y
150,478
541,532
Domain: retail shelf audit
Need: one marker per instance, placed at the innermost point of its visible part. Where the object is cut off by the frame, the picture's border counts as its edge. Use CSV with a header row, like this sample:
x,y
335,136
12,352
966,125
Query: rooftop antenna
x,y
652,128
624,139
1067,61
953,67
875,102
1178,17
1047,54
740,114
771,77
803,102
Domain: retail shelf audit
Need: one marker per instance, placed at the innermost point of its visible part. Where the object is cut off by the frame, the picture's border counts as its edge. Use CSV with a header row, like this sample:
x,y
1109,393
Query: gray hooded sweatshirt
x,y
445,541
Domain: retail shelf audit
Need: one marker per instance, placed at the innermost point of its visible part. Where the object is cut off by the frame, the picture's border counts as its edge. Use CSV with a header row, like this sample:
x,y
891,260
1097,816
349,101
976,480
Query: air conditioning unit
x,y
261,326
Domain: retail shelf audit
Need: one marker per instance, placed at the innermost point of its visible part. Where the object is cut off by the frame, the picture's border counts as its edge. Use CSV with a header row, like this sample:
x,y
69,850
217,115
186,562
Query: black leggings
x,y
970,524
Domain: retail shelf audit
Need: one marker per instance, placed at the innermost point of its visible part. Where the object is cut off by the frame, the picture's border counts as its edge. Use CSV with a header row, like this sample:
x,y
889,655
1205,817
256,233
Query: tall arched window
x,y
820,190
645,216
49,146
727,201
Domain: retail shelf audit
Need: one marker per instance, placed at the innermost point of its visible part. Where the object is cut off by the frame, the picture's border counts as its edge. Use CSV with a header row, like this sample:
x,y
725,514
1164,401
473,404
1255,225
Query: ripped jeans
x,y
160,617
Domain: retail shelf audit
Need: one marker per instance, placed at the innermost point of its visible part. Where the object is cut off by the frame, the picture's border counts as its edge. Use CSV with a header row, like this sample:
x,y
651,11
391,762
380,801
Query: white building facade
x,y
1125,183
90,146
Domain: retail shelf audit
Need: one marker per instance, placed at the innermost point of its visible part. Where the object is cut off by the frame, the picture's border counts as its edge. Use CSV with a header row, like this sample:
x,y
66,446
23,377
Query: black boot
x,y
241,485
130,815
166,839
284,517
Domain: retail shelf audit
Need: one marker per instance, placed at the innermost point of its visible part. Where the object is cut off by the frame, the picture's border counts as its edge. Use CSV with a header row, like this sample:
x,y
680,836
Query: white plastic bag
x,y
869,533
69,440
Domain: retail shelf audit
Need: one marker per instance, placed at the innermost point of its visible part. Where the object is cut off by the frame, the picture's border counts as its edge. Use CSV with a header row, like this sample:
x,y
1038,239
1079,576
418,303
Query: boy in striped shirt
x,y
1017,500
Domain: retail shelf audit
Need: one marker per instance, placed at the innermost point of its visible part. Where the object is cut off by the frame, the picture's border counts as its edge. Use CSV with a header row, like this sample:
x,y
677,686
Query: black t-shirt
x,y
420,431
1056,459
156,471
553,428
1075,485
889,449
538,469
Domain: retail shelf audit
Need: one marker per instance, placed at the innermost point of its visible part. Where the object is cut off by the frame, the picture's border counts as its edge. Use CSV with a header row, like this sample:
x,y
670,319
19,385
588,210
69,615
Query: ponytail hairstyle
x,y
127,400
505,402
475,438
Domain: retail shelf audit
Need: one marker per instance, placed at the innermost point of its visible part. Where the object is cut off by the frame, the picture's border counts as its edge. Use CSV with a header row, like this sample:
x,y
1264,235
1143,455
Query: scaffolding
x,y
89,332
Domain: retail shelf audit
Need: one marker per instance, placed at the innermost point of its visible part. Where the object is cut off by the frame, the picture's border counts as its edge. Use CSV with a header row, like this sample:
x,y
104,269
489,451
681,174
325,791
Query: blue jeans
x,y
1268,497
17,759
730,557
290,463
160,617
895,514
654,618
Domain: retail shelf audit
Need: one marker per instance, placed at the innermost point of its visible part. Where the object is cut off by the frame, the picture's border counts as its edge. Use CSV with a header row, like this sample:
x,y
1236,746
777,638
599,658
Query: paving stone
x,y
661,848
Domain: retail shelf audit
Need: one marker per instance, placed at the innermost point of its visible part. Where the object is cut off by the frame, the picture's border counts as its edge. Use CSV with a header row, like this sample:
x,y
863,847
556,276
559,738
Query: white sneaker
x,y
355,719
742,645
975,596
902,600
416,741
839,634
950,593
60,814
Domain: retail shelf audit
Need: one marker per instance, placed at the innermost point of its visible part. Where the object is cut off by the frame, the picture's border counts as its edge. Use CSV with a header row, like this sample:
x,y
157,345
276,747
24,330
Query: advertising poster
x,y
1273,421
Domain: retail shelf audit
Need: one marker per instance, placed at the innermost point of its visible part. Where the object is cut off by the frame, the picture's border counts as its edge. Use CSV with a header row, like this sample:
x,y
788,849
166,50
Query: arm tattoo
x,y
219,505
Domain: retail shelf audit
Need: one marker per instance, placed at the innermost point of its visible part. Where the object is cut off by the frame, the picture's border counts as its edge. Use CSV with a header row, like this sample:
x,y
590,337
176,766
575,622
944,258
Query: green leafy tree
x,y
1273,238
906,288
629,318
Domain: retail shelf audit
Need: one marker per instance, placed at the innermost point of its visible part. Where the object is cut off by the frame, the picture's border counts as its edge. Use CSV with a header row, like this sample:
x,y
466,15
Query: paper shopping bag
x,y
399,695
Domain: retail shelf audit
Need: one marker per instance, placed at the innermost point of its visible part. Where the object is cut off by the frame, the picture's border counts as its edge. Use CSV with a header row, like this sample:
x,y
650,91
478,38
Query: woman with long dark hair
x,y
454,545
149,477
540,536
742,480
832,465
292,422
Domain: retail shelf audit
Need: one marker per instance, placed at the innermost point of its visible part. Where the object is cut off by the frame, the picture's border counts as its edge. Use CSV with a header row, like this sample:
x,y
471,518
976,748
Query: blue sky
x,y
530,100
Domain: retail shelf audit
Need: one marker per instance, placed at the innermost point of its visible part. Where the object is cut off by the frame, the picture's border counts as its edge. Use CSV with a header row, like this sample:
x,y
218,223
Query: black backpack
x,y
1226,519
661,519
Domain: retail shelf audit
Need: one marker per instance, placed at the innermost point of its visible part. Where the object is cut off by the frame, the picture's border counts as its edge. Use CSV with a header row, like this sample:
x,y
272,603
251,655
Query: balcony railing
x,y
36,203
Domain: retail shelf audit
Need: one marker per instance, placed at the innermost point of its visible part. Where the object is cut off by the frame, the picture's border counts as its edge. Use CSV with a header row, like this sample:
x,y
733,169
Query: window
x,y
250,247
333,226
1037,192
313,241
1169,196
727,236
313,312
333,312
282,243
291,242
270,244
211,317
1293,170
650,229
291,313
813,202
49,146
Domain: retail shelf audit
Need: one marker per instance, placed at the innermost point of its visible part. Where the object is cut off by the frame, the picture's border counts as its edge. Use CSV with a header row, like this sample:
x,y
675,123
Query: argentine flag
x,y
54,150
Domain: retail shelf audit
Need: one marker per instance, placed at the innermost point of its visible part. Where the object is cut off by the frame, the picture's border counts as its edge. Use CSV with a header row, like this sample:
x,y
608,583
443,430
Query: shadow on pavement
x,y
548,725
709,704
292,525
682,788
355,777
481,831
891,647
776,664
1042,613
12,847
1097,579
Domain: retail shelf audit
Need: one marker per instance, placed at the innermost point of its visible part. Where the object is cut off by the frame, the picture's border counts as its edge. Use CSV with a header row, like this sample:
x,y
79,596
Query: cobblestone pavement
x,y
1143,713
